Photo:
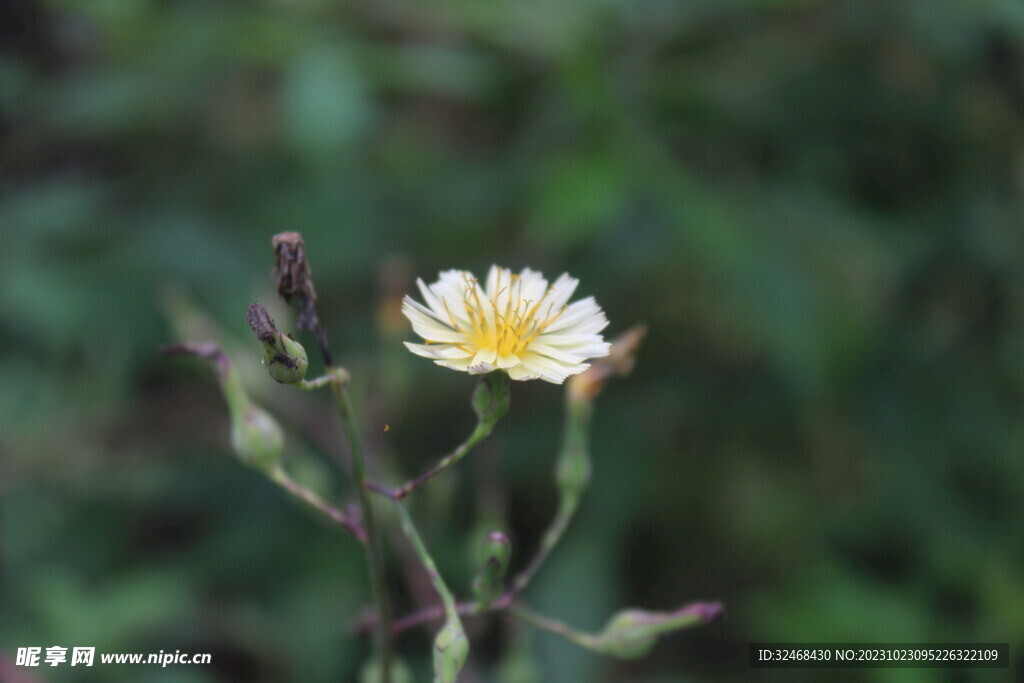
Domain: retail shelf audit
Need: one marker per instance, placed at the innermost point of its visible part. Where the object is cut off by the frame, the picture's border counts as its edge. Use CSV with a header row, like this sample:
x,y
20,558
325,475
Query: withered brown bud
x,y
293,276
291,269
261,323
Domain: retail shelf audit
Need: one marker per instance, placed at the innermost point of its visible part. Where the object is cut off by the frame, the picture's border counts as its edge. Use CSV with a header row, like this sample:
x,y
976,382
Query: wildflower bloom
x,y
515,323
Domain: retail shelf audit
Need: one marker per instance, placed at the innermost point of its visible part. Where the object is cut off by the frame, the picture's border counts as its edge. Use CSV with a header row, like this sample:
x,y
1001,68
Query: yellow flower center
x,y
505,322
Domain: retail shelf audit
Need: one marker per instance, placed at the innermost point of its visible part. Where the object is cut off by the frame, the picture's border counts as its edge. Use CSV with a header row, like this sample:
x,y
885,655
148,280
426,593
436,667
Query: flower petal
x,y
437,306
481,369
585,345
582,317
533,287
446,351
570,355
499,289
427,325
460,364
491,283
485,356
561,291
452,286
509,360
520,373
551,370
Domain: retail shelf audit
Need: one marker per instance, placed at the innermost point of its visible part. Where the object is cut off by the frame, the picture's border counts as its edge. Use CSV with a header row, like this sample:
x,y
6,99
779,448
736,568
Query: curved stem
x,y
573,474
490,402
280,477
582,639
482,430
450,608
567,506
374,549
314,384
427,614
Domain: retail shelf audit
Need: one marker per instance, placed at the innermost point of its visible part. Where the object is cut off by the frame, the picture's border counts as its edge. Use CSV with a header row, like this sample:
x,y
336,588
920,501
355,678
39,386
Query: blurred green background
x,y
816,207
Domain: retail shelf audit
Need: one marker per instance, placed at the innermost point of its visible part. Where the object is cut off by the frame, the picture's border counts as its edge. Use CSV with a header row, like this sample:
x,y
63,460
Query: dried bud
x,y
293,276
284,357
490,398
619,362
451,649
494,560
292,273
632,633
291,270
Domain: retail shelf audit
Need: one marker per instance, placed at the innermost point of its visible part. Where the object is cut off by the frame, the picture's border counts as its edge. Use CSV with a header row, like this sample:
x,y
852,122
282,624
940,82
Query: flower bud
x,y
625,636
489,581
257,438
632,633
284,357
490,398
451,649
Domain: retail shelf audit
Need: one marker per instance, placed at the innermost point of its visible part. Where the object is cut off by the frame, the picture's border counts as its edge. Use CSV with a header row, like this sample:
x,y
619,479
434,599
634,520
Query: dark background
x,y
814,205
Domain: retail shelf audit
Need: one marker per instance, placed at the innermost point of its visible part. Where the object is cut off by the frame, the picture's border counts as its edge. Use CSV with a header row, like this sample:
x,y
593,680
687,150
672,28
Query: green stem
x,y
586,640
374,549
451,646
630,633
318,383
567,507
231,386
573,474
451,610
490,402
481,432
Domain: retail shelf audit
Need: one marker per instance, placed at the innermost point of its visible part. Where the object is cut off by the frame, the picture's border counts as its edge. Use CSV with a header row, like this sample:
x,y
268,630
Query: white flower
x,y
515,323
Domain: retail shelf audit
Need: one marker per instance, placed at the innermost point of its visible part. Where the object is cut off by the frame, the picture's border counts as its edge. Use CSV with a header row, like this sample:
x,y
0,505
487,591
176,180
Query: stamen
x,y
451,318
515,324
